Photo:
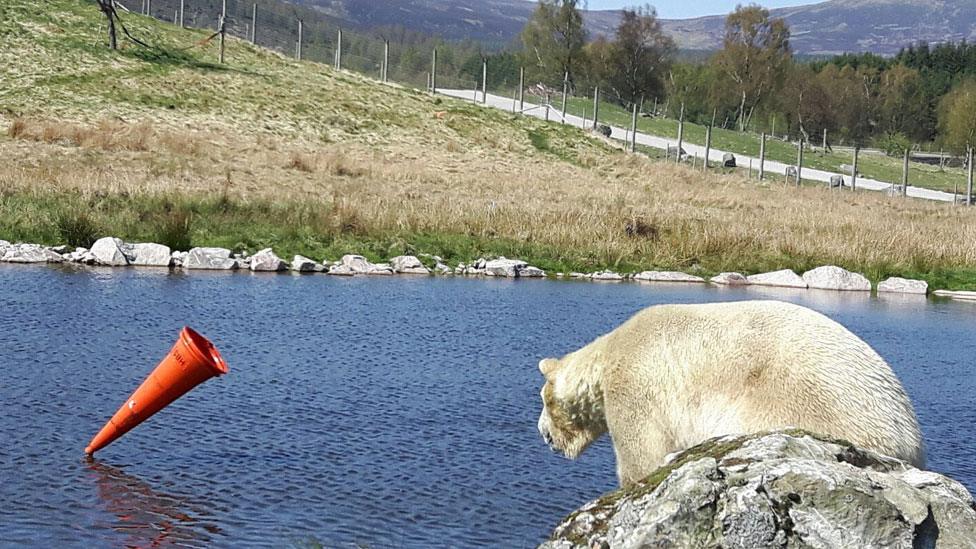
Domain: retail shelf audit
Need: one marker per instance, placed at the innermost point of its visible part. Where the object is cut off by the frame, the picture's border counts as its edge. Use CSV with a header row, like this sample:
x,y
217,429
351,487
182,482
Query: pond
x,y
383,411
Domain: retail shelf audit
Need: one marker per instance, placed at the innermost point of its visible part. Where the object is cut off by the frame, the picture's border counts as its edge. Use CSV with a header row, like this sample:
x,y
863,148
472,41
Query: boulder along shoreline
x,y
114,252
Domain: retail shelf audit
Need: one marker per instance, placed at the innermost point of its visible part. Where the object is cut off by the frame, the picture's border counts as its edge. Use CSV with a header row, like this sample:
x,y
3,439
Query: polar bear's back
x,y
723,368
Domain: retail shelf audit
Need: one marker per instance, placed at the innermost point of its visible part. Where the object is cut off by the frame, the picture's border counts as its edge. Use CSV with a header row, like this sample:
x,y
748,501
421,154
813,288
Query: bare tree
x,y
108,8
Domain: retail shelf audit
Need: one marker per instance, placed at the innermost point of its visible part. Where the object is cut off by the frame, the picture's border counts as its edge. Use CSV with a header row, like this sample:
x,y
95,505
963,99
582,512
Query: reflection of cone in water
x,y
192,361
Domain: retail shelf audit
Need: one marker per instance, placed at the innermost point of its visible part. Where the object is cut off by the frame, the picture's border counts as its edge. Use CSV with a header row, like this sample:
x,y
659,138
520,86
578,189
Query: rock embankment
x,y
114,252
781,489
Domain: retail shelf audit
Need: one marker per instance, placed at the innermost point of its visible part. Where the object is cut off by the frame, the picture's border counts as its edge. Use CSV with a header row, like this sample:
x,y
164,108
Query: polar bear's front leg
x,y
640,444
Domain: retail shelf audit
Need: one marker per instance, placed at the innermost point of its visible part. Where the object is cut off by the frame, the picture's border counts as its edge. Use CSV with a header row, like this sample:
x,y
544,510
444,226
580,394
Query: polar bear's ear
x,y
547,365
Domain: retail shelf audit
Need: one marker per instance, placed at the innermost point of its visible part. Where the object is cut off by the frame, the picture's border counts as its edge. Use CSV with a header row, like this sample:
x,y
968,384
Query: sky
x,y
681,9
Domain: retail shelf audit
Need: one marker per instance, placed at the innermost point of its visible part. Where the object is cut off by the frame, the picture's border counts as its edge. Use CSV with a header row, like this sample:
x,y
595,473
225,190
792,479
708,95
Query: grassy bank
x,y
165,145
871,165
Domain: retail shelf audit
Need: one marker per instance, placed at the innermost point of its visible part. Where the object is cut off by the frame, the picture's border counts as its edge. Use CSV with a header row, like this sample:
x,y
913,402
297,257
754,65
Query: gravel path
x,y
715,155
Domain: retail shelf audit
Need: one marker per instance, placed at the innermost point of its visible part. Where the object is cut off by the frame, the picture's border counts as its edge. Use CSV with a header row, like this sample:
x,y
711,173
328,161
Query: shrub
x,y
77,229
175,228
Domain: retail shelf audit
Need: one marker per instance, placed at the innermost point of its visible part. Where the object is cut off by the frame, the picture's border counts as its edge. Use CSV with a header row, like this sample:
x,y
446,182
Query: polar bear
x,y
674,376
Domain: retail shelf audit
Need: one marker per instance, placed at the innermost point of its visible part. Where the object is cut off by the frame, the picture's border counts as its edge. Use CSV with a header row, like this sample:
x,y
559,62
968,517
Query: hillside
x,y
838,26
166,145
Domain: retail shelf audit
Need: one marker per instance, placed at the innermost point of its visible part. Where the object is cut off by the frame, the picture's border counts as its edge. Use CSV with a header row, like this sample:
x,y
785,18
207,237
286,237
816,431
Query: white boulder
x,y
730,279
408,264
210,259
29,253
357,264
835,278
150,255
302,264
667,276
898,285
783,279
108,251
605,276
504,267
267,261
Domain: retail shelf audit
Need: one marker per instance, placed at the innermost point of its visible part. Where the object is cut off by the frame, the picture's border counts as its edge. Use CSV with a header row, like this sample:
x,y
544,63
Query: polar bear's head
x,y
571,418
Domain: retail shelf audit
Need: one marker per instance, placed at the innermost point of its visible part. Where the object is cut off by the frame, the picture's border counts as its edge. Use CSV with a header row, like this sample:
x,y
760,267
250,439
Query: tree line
x,y
755,82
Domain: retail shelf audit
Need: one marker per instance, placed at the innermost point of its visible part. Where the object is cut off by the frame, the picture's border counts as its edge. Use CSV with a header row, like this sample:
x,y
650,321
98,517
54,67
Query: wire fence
x,y
294,31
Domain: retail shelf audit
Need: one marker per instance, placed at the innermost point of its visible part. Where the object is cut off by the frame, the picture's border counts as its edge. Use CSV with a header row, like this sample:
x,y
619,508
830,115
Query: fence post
x,y
708,146
969,179
799,162
484,80
596,106
149,8
904,175
298,51
223,28
254,23
633,130
762,156
339,51
584,118
521,90
857,151
181,13
825,142
655,106
433,73
386,62
681,134
565,90
547,107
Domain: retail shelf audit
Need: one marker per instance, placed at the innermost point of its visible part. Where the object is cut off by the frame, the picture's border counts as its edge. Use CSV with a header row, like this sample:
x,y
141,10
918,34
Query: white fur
x,y
675,375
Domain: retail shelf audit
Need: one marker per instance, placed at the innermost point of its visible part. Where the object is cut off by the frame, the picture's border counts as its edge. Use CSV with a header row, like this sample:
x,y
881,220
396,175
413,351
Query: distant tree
x,y
553,39
641,55
957,117
904,107
754,58
598,66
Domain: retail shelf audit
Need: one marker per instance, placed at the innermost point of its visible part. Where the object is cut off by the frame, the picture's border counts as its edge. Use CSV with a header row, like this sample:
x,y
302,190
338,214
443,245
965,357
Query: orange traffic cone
x,y
192,361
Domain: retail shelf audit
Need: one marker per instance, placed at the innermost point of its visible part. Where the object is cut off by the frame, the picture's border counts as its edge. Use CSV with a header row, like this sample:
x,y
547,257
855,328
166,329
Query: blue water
x,y
391,412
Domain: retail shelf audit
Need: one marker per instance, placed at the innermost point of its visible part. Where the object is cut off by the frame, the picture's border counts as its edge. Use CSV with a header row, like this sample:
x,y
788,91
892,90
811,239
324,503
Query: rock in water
x,y
730,279
29,253
903,286
780,489
267,261
151,255
783,279
408,264
668,276
108,251
836,278
209,258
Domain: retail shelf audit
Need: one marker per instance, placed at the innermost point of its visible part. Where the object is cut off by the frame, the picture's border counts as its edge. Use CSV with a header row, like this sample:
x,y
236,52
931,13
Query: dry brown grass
x,y
623,210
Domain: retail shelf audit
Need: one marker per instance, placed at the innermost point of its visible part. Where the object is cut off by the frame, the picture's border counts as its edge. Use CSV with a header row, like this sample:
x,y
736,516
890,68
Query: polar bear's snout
x,y
544,430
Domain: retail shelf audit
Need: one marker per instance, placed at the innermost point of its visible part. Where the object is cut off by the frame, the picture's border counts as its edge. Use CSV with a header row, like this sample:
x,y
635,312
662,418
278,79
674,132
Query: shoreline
x,y
114,252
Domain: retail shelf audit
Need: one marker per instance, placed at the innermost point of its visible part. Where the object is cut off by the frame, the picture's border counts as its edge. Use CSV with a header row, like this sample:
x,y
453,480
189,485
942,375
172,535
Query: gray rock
x,y
667,276
302,264
29,253
835,278
964,296
61,250
903,286
408,264
781,489
504,267
730,279
210,259
340,269
267,261
356,263
783,279
443,269
381,269
531,272
605,276
836,181
108,251
728,160
150,255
